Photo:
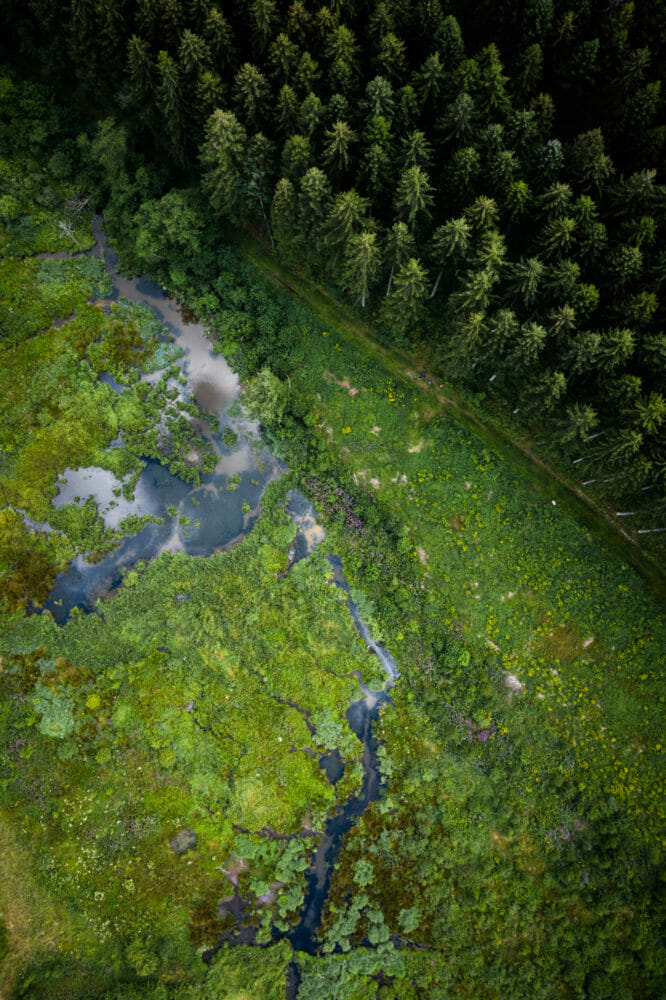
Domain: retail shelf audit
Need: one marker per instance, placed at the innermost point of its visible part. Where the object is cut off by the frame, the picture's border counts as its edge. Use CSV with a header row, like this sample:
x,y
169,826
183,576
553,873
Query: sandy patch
x,y
343,383
415,448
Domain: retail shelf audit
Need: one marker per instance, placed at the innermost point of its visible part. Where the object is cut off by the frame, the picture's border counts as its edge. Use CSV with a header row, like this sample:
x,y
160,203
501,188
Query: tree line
x,y
481,178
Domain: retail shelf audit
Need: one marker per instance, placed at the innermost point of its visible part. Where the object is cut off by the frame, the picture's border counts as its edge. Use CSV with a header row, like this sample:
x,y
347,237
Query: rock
x,y
183,841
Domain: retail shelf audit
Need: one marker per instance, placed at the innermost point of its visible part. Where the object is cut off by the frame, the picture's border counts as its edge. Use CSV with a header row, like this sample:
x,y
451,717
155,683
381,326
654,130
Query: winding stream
x,y
359,716
217,520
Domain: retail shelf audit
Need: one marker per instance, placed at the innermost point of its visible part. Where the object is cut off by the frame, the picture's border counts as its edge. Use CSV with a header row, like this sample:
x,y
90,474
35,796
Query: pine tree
x,y
286,111
140,72
313,202
430,81
193,55
528,346
413,197
579,421
208,95
582,355
391,58
262,16
170,101
587,162
362,260
310,115
403,307
342,53
399,247
617,346
299,22
449,245
284,220
250,92
558,236
462,175
379,99
474,295
223,157
296,157
482,213
459,122
525,279
340,138
415,150
219,36
347,216
283,55
307,74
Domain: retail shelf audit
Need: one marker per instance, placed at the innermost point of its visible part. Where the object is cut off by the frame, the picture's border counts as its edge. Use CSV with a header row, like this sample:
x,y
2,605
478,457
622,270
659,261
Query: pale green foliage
x,y
265,397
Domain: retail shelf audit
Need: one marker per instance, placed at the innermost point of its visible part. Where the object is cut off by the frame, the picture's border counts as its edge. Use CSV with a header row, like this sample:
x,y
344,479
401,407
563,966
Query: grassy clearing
x,y
34,922
557,605
441,398
523,819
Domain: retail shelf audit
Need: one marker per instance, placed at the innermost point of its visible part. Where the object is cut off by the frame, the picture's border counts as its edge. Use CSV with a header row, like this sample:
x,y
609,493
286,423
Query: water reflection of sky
x,y
208,517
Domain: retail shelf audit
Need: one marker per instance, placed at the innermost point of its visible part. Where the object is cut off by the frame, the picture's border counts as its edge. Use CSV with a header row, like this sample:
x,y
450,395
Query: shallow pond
x,y
198,520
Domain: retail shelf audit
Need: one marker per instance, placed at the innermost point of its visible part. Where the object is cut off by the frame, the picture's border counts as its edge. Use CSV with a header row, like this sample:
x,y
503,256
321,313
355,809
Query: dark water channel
x,y
214,509
360,716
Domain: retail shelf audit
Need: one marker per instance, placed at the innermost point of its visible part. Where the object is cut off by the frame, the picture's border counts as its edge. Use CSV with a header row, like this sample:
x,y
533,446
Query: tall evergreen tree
x,y
361,264
222,158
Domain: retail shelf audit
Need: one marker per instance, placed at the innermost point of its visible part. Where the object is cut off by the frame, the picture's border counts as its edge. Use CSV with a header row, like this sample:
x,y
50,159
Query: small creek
x,y
220,522
214,509
359,716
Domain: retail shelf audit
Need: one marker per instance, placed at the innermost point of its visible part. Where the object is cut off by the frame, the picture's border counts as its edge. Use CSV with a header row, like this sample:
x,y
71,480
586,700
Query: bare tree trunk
x,y
388,288
436,285
268,228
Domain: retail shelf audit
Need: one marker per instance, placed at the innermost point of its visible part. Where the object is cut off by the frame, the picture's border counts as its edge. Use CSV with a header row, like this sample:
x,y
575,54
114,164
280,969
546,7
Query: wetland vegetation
x,y
233,511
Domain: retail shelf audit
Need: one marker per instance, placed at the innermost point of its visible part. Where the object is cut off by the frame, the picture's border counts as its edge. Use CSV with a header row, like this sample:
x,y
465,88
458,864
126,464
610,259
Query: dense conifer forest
x,y
429,240
482,178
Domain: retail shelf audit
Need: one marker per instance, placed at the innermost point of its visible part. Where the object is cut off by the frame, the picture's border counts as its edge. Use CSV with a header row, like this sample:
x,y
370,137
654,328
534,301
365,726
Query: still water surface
x,y
215,508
